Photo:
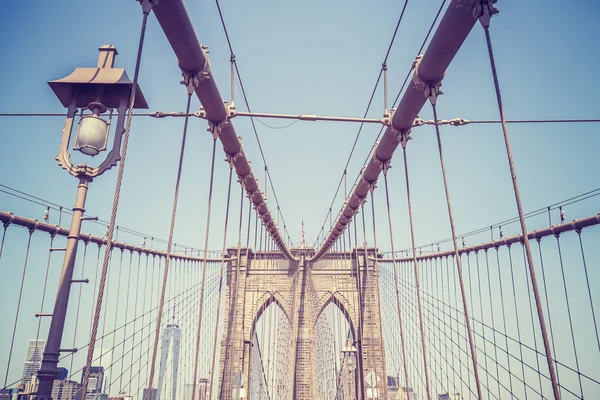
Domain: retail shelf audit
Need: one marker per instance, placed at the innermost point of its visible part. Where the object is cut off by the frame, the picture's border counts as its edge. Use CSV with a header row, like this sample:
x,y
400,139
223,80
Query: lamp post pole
x,y
48,371
111,89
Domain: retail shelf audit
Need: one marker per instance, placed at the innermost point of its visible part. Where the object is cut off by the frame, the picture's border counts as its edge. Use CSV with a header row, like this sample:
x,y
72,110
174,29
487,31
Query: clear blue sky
x,y
310,57
314,58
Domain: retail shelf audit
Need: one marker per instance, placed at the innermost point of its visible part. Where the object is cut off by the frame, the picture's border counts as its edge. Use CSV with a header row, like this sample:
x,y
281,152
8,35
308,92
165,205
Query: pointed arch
x,y
342,303
265,301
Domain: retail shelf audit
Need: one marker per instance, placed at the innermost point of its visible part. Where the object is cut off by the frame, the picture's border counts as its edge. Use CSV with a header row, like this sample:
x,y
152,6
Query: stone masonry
x,y
302,290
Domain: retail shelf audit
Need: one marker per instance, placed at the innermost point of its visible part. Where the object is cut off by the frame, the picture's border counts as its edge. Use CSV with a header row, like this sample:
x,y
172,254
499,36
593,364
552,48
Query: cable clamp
x,y
244,179
458,121
433,91
376,160
11,219
250,194
387,118
385,166
201,75
418,122
430,89
35,226
56,229
215,128
191,80
372,187
147,5
231,113
232,158
404,137
201,113
483,11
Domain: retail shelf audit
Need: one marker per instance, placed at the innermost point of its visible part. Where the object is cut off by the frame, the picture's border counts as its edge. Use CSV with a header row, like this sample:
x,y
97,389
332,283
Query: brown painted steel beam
x,y
9,218
575,225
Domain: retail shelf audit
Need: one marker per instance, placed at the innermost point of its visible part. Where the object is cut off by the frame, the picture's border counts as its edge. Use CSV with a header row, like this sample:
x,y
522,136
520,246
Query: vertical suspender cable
x,y
242,341
170,240
12,342
387,198
233,298
146,8
373,294
536,292
199,331
212,368
360,314
169,245
416,272
456,255
365,288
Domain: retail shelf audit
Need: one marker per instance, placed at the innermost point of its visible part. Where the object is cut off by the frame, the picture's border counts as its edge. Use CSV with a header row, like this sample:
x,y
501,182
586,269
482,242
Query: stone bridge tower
x,y
302,290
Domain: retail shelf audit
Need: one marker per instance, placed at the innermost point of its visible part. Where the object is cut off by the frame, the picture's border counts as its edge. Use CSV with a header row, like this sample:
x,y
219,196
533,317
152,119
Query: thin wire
x,y
37,335
276,127
12,342
115,206
214,353
572,200
532,275
587,281
395,101
567,302
416,273
170,242
60,208
387,198
6,225
239,77
210,191
456,255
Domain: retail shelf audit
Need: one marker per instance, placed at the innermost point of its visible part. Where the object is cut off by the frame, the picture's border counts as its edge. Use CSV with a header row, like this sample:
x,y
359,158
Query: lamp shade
x,y
92,135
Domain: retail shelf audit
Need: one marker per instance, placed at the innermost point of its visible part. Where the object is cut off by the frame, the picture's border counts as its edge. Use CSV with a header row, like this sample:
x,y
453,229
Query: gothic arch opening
x,y
270,370
334,353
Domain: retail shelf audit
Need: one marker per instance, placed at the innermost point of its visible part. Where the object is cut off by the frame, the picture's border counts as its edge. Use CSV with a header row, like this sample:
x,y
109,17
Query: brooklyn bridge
x,y
430,245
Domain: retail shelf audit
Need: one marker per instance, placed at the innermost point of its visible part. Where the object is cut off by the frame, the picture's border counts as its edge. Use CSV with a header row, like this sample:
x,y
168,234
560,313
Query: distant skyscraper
x,y
202,389
449,396
406,393
63,373
96,379
33,359
153,395
99,396
173,332
393,382
66,390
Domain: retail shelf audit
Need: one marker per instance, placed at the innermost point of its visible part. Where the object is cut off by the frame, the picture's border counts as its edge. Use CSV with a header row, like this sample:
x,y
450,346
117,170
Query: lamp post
x,y
95,91
349,352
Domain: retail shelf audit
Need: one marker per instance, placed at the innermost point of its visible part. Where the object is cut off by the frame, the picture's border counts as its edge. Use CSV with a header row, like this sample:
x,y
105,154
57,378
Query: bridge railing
x,y
508,344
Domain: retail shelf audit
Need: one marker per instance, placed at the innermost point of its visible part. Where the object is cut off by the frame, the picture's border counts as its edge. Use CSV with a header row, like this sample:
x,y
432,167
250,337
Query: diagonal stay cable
x,y
245,97
395,100
383,66
190,91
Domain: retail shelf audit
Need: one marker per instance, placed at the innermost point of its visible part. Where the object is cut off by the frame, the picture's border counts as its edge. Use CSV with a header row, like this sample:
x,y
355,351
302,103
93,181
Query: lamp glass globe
x,y
92,135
